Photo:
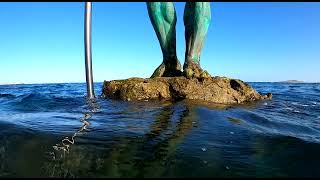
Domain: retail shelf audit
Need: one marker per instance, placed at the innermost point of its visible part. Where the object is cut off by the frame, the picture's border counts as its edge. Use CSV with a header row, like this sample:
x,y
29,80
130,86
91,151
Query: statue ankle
x,y
170,59
191,64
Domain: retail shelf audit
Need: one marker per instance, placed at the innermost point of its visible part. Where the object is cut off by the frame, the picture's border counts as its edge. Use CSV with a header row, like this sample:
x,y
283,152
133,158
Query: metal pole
x,y
88,54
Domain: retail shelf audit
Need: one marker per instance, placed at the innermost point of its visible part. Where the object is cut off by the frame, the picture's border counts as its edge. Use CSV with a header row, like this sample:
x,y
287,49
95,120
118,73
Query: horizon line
x,y
21,83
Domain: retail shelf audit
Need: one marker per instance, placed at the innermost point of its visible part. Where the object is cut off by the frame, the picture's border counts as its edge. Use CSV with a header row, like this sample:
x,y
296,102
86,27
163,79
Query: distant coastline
x,y
292,81
296,81
6,84
17,83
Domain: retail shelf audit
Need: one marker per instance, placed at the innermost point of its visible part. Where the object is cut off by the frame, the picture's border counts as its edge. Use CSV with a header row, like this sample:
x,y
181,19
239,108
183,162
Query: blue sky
x,y
43,42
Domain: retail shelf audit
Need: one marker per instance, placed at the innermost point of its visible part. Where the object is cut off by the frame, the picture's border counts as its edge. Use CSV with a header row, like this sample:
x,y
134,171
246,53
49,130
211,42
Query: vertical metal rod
x,y
88,52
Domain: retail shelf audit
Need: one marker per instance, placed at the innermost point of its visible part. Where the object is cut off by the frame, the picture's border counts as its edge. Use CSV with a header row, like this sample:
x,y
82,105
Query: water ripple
x,y
157,139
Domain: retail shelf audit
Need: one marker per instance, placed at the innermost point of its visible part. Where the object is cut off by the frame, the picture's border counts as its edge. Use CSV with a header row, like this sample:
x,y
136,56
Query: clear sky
x,y
43,42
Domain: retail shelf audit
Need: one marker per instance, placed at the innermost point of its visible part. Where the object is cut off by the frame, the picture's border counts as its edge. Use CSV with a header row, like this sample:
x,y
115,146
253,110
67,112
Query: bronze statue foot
x,y
193,70
168,69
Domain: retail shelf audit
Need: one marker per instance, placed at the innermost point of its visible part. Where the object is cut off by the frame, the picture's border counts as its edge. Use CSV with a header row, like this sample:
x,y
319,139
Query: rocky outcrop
x,y
216,89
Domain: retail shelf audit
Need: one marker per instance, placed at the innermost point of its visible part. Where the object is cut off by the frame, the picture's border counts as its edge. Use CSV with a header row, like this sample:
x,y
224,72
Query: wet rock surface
x,y
214,89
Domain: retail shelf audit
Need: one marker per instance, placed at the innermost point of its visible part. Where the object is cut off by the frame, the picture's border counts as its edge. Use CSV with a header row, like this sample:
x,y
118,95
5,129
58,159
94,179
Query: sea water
x,y
52,130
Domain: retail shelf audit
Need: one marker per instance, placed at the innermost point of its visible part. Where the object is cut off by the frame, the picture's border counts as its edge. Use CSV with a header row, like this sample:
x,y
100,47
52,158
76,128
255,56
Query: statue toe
x,y
159,71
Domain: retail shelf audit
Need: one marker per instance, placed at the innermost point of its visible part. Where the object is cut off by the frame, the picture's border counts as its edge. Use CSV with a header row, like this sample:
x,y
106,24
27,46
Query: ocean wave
x,y
277,126
7,95
45,102
287,108
302,104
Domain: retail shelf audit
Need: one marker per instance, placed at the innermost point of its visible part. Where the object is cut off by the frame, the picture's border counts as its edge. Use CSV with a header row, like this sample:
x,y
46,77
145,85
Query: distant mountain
x,y
291,81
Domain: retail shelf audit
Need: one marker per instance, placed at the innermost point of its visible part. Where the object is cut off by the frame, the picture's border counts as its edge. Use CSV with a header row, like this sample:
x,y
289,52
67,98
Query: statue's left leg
x,y
197,16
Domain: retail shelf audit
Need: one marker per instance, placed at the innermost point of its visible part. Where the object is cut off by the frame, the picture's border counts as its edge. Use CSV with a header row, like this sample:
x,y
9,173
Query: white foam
x,y
287,108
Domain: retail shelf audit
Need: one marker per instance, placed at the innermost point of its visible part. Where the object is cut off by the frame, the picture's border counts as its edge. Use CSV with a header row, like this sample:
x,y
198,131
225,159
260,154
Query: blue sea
x,y
52,130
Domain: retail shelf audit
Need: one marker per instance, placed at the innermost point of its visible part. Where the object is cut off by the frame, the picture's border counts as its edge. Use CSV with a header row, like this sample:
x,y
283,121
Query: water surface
x,y
51,130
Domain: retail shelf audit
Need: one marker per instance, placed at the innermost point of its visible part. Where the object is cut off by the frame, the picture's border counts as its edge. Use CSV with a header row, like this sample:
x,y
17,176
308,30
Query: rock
x,y
214,89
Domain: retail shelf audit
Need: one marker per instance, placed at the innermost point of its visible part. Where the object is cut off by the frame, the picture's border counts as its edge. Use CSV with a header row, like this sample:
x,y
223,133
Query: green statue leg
x,y
163,18
197,16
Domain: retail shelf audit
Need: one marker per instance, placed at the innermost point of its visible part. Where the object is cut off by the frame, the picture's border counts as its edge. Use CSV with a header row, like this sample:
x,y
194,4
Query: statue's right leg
x,y
163,18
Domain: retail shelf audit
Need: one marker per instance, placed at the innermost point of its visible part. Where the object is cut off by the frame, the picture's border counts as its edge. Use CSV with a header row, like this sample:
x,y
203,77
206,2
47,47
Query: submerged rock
x,y
215,89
